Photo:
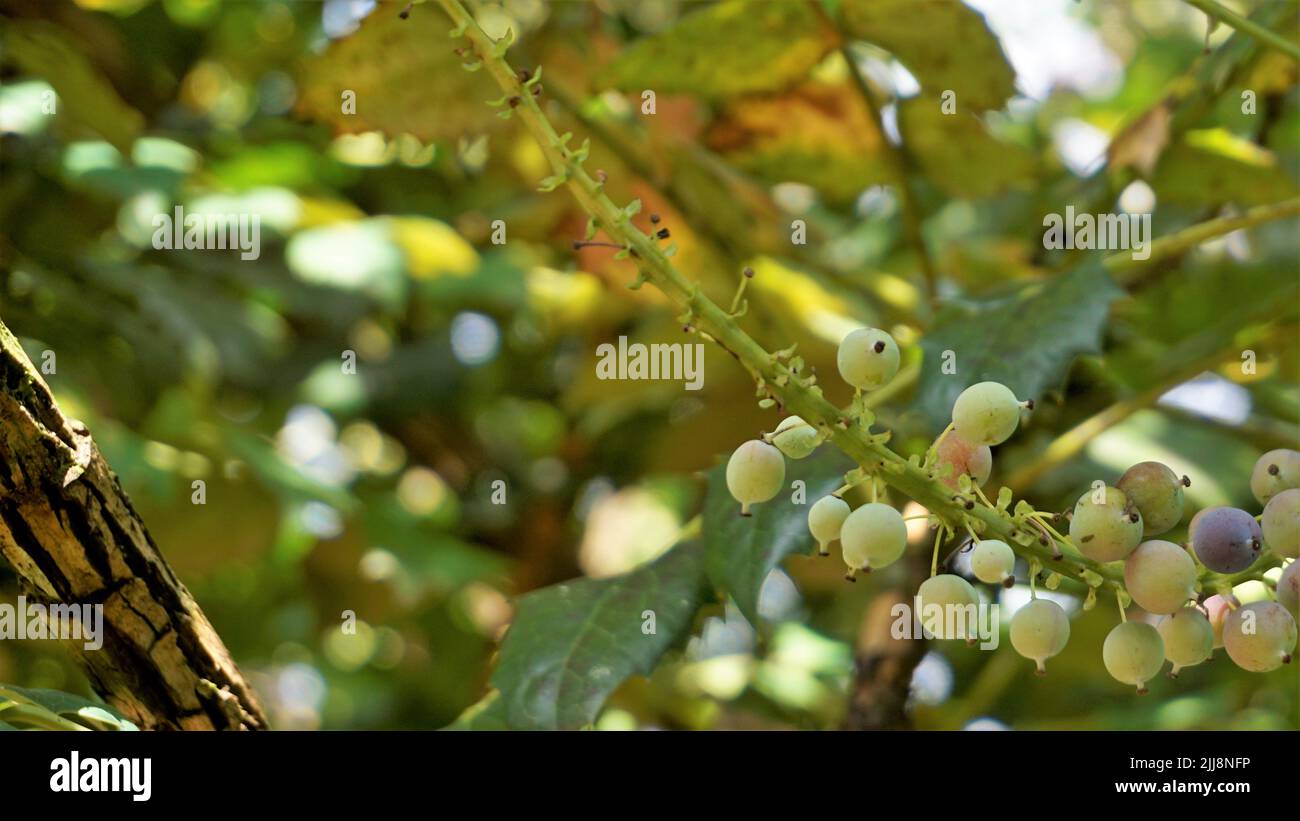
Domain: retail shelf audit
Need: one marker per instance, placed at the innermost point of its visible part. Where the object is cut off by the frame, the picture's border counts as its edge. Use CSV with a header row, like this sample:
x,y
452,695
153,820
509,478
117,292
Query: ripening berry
x,y
1188,638
975,461
1281,523
755,473
868,358
872,537
1226,539
1133,654
825,518
1276,471
1106,532
1259,636
993,562
947,606
1040,630
1217,609
1157,493
1288,589
795,437
986,413
1160,576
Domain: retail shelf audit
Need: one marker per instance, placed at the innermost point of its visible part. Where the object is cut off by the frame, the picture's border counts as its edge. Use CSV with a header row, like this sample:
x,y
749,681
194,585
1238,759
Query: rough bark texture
x,y
70,532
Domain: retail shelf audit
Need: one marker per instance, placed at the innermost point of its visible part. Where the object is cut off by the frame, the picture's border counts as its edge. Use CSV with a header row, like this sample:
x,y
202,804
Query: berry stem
x,y
934,558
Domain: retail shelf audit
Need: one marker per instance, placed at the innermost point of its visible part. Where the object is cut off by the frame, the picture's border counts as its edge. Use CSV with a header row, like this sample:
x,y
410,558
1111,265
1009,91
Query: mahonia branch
x,y
1218,11
773,372
1180,242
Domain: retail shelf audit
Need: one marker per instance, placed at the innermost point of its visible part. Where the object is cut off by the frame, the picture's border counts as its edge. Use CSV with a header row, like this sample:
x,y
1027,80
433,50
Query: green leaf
x,y
572,644
958,153
86,101
944,43
731,48
1026,342
740,551
57,710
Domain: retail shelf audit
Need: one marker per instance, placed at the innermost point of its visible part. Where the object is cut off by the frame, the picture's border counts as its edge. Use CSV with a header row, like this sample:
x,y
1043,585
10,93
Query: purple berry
x,y
1226,539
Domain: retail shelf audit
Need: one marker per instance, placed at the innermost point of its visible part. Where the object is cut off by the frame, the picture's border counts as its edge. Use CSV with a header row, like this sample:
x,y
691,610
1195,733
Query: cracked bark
x,y
73,537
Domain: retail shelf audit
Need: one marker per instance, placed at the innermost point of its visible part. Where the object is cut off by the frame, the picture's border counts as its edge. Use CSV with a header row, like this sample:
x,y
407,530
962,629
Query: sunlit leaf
x,y
702,53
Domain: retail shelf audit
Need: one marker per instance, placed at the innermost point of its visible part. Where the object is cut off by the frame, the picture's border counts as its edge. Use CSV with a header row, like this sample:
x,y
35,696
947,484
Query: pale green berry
x,y
1040,630
1157,493
755,473
795,437
873,537
986,413
867,358
993,562
1274,472
1160,576
1259,636
1188,638
1106,532
1133,654
1281,523
948,607
825,521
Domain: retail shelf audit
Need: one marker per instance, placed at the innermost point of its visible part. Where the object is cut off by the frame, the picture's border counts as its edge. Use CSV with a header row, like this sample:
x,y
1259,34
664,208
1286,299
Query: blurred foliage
x,y
329,490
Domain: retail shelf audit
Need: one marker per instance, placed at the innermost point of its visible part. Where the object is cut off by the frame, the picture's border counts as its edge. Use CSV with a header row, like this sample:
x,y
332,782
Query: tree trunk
x,y
70,532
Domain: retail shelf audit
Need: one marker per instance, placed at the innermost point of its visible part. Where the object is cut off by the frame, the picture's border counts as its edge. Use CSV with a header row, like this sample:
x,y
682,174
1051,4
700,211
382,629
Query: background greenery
x,y
371,492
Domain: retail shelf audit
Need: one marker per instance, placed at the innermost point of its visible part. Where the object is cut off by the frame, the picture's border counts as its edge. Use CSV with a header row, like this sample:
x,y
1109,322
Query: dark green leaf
x,y
572,644
1027,342
741,551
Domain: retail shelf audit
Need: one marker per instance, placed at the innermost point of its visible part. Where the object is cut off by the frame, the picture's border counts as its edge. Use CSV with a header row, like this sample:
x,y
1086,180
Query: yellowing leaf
x,y
944,43
732,48
402,76
819,135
